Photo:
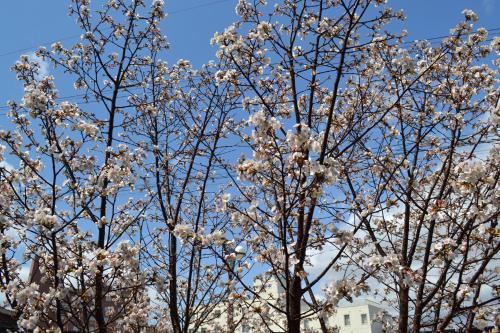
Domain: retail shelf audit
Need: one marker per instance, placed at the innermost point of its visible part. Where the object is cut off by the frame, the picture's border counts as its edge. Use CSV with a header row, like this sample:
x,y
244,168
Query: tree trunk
x,y
230,316
403,307
294,296
99,309
172,269
59,319
418,316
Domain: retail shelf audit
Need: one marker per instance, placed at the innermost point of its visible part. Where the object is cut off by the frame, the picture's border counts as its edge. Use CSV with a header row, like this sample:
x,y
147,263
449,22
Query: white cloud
x,y
319,261
6,165
44,65
24,272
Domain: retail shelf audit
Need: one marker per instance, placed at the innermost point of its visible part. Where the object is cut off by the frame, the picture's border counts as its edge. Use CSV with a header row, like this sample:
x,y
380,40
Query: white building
x,y
357,317
259,316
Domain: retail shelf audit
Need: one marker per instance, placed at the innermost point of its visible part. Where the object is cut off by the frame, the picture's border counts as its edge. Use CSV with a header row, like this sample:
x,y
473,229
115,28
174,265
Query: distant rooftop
x,y
360,302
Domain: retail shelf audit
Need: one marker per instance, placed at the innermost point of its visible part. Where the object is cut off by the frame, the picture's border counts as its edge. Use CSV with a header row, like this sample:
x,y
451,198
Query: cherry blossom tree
x,y
310,77
140,166
326,91
184,117
428,198
72,191
171,191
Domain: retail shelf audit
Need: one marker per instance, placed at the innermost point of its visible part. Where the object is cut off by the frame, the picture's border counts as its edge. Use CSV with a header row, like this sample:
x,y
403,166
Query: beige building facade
x,y
263,316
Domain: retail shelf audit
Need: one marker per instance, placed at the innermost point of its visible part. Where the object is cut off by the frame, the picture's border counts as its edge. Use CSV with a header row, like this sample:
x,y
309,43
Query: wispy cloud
x,y
488,5
44,65
5,165
24,272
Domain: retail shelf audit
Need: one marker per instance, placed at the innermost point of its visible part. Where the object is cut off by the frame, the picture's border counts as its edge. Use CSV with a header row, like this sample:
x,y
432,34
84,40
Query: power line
x,y
182,10
35,47
197,7
442,37
85,100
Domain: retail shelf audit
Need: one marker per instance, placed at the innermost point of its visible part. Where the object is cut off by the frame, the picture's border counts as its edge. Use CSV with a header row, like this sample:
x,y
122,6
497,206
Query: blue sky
x,y
25,24
28,23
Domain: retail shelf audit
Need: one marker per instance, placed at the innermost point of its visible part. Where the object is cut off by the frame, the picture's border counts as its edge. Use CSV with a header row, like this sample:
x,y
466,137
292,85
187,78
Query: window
x,y
306,323
217,313
347,320
245,329
364,318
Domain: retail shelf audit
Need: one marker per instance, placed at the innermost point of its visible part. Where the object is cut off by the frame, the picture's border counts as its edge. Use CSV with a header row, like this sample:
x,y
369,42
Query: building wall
x,y
359,320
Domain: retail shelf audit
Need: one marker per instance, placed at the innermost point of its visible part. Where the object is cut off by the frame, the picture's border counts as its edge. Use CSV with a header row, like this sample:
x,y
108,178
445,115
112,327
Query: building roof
x,y
360,302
